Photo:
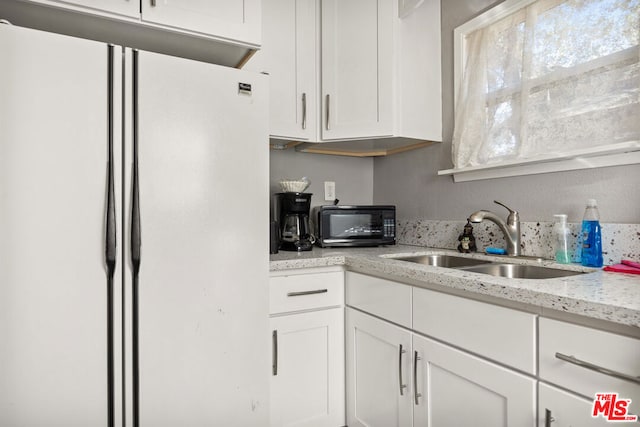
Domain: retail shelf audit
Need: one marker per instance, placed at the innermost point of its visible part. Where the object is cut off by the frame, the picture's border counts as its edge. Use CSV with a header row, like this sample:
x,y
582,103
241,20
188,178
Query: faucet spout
x,y
510,228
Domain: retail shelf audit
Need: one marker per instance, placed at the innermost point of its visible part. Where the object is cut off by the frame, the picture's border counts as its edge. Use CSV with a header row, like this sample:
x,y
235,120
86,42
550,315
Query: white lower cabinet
x,y
454,388
308,369
398,378
378,372
586,362
558,408
307,332
436,369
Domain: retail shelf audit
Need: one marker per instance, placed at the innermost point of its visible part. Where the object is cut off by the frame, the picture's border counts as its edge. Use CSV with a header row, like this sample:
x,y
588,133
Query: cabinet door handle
x,y
303,293
587,365
401,351
304,111
153,3
548,419
274,354
327,109
416,395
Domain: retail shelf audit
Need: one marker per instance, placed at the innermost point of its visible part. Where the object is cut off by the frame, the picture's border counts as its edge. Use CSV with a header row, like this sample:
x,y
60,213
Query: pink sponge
x,y
626,266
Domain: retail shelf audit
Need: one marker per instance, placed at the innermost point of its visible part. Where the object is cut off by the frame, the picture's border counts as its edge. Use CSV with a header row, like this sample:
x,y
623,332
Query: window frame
x,y
618,154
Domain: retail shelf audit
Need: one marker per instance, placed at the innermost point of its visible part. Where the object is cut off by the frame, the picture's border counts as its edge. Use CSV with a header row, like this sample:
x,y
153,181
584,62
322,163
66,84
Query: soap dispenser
x,y
561,239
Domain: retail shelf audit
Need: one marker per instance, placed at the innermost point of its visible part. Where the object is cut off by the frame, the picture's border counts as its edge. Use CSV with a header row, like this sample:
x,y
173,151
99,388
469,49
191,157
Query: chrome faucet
x,y
510,229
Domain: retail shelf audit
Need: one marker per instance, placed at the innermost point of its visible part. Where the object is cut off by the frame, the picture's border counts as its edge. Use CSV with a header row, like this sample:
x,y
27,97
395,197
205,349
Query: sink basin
x,y
449,261
500,269
517,271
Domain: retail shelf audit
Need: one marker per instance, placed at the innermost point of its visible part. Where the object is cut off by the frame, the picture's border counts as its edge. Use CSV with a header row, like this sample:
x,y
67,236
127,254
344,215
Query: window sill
x,y
626,153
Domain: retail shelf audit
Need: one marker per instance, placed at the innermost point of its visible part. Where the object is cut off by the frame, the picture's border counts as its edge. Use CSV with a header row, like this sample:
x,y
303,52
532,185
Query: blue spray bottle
x,y
591,236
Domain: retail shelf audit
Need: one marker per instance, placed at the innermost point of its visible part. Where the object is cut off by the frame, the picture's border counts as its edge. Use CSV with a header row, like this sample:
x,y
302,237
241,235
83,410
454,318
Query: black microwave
x,y
369,225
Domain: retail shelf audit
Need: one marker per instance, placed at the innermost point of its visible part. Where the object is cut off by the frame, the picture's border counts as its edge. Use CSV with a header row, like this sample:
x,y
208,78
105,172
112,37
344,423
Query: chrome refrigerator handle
x,y
110,243
135,250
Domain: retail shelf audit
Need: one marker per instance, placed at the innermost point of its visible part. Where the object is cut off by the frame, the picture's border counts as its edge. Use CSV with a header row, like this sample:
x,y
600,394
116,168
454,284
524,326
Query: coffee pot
x,y
295,234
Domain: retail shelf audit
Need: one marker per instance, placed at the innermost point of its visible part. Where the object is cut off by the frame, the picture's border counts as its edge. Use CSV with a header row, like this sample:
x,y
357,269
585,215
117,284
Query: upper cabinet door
x,y
288,55
130,8
357,68
234,20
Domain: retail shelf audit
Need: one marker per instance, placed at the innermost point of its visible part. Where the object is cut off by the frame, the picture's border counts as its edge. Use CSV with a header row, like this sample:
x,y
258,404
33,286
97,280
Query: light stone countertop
x,y
600,295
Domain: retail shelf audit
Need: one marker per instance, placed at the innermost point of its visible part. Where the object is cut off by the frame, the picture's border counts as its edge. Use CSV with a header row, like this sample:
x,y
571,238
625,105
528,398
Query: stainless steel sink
x,y
518,271
449,261
500,269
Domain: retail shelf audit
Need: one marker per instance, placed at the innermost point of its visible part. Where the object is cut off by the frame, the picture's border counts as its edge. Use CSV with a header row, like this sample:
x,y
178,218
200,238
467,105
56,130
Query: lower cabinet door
x,y
378,372
307,382
454,388
558,408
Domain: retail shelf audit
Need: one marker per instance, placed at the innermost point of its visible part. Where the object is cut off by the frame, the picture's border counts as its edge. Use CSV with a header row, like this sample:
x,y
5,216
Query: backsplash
x,y
619,241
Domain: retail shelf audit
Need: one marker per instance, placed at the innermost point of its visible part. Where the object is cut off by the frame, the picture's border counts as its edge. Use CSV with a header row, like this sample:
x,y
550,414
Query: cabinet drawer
x,y
601,349
502,334
380,297
305,291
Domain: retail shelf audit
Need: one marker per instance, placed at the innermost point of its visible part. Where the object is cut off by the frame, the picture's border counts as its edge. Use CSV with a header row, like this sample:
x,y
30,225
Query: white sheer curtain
x,y
556,76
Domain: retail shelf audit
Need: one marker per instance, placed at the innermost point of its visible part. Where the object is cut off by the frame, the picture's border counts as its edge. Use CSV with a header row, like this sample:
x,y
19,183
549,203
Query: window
x,y
543,85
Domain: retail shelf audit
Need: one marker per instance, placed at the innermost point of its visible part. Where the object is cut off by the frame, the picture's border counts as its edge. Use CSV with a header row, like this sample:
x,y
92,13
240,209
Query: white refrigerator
x,y
133,237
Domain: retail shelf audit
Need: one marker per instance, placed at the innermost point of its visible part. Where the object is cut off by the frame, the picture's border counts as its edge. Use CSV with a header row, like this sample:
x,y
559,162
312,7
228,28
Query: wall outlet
x,y
329,191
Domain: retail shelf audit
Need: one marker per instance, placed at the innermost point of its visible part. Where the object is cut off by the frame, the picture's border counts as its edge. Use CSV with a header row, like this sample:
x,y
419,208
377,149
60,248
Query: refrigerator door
x,y
202,297
54,116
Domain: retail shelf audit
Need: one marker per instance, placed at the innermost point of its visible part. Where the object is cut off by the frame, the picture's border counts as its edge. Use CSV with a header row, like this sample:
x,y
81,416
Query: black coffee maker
x,y
295,234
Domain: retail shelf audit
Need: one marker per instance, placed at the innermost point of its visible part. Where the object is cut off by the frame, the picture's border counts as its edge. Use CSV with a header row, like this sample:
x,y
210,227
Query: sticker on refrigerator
x,y
244,88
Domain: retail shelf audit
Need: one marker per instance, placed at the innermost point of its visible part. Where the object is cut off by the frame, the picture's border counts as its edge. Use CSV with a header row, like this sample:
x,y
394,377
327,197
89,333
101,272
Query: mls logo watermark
x,y
611,408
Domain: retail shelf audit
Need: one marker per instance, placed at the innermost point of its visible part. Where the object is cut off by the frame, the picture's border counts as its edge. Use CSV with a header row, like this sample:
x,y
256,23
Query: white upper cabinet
x,y
130,8
120,7
289,55
357,69
351,69
236,21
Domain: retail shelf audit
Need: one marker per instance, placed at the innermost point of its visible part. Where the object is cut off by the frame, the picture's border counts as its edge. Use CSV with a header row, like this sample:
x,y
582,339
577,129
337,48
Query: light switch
x,y
329,190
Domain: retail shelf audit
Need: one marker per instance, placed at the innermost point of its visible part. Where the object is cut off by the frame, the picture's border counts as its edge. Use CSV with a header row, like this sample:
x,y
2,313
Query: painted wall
x,y
353,176
410,180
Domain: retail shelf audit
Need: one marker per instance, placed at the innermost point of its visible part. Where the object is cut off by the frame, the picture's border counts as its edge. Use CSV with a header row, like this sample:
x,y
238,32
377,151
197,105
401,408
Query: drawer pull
x,y
303,293
597,368
401,351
